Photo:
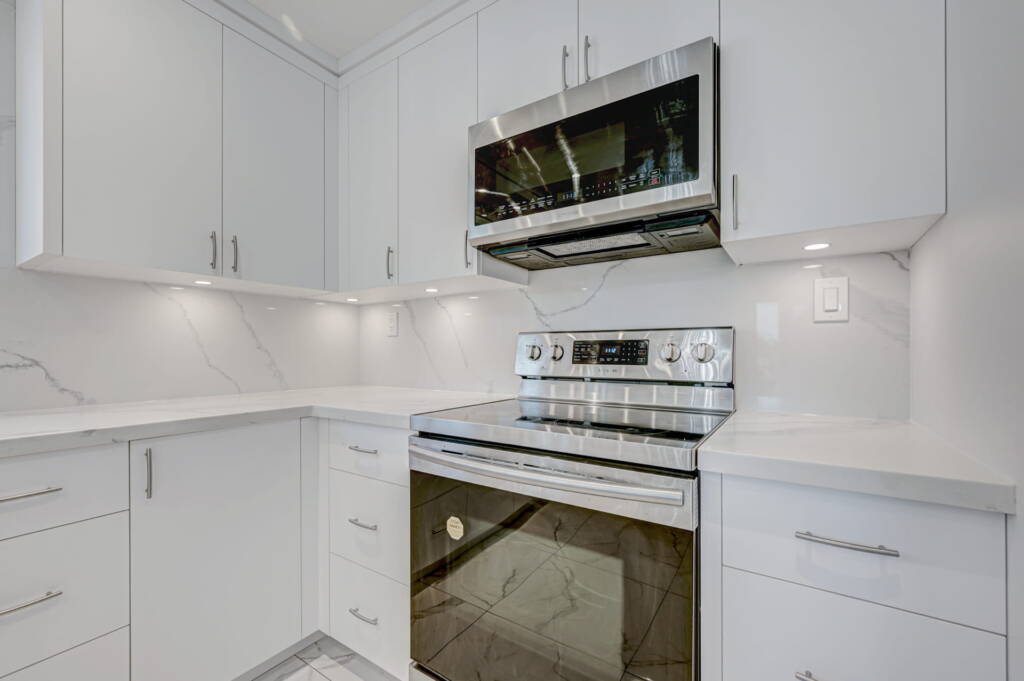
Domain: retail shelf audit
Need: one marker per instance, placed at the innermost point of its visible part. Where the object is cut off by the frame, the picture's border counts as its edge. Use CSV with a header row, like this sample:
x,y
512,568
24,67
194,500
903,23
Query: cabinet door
x,y
142,134
775,630
832,114
273,168
623,33
373,171
524,47
437,104
215,552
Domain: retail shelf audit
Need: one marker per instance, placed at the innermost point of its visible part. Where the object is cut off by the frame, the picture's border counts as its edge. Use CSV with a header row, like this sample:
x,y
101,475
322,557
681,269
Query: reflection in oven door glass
x,y
534,590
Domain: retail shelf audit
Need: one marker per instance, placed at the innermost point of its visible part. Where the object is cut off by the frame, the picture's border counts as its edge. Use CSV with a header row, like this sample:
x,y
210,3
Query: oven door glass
x,y
506,586
643,142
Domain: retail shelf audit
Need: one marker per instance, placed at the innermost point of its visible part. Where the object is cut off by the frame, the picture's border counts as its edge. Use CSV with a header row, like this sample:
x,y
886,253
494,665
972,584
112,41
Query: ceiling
x,y
338,26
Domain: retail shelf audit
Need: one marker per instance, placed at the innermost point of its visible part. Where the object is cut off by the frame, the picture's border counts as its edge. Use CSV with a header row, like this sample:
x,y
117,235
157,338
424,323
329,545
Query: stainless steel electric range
x,y
554,536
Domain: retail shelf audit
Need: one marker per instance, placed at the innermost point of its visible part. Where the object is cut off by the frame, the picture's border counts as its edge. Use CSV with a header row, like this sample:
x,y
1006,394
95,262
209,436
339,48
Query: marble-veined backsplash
x,y
784,361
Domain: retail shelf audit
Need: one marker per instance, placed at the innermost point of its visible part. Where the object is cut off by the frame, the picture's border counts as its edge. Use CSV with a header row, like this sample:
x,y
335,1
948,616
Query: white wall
x,y
783,360
968,276
66,340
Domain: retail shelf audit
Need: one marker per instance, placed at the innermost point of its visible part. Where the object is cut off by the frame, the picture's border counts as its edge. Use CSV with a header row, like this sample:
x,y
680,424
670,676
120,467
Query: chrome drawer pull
x,y
360,616
29,495
357,448
863,548
565,59
49,595
805,676
357,523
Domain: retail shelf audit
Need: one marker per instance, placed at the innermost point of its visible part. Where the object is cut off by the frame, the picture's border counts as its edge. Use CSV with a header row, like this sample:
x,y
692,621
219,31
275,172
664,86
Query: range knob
x,y
670,352
534,352
557,352
703,352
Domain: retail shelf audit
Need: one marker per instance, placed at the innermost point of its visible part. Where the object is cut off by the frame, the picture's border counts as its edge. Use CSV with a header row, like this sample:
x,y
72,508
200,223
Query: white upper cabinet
x,y
527,52
142,134
832,125
621,34
274,153
372,169
215,551
437,104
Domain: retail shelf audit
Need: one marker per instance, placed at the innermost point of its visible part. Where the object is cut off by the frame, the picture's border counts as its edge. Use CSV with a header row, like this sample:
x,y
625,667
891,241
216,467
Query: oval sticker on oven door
x,y
455,528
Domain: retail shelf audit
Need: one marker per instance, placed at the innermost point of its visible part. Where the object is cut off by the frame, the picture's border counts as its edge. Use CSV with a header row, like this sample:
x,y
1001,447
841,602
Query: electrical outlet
x,y
832,299
393,324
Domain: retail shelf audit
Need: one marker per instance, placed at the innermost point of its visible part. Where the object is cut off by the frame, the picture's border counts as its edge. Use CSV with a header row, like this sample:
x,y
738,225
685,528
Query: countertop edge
x,y
970,494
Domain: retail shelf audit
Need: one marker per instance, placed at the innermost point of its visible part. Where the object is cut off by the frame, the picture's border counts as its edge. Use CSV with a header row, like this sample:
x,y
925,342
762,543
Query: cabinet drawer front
x,y
105,659
774,630
373,451
951,561
87,563
40,491
370,524
377,599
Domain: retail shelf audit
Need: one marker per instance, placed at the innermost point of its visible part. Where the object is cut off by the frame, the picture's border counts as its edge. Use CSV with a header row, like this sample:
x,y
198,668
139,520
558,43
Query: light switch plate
x,y
392,323
832,299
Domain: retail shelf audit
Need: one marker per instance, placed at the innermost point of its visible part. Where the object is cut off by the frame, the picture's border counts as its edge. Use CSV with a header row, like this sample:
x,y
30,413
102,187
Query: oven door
x,y
532,568
634,143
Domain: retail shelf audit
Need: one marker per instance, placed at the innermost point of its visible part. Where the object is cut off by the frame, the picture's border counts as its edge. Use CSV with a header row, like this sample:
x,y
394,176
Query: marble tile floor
x,y
326,660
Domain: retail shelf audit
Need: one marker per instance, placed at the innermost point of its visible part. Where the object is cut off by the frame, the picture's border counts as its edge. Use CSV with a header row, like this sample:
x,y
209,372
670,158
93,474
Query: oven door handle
x,y
566,483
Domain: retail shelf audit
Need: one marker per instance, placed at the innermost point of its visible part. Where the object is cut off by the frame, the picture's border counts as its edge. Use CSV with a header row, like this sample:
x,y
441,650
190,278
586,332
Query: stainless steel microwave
x,y
621,166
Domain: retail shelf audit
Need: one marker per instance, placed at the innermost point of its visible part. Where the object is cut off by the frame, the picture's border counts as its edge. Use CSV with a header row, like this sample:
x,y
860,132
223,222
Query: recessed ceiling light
x,y
816,247
469,314
474,297
202,282
177,288
271,308
396,305
352,300
430,290
812,267
320,302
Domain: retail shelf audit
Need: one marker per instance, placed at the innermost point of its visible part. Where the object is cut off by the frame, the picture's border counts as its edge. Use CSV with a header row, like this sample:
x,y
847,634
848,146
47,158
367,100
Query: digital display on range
x,y
633,352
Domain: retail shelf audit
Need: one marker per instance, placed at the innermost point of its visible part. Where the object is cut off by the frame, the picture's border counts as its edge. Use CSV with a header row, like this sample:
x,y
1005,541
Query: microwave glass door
x,y
647,141
506,586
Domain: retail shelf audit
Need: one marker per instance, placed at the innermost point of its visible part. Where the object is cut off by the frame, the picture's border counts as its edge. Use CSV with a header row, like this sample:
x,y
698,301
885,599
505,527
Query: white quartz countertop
x,y
889,458
24,432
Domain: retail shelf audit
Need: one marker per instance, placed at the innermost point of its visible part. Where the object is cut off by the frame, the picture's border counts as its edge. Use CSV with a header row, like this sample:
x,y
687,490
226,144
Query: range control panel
x,y
633,352
676,355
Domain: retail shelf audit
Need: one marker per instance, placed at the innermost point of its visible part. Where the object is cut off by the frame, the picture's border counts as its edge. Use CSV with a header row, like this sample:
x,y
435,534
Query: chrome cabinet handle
x,y
465,250
213,242
49,595
586,59
357,448
358,523
29,495
550,480
863,548
735,203
805,676
360,616
234,246
149,472
565,62
387,262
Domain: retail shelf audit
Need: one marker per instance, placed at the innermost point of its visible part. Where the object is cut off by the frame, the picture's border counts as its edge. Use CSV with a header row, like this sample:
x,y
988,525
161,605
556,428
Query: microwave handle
x,y
565,62
549,479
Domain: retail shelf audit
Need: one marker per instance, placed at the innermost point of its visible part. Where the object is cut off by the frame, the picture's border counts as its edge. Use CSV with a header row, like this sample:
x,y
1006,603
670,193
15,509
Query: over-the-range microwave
x,y
621,166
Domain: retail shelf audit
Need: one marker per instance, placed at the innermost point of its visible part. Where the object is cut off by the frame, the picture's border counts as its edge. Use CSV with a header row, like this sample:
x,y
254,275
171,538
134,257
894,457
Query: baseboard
x,y
280,657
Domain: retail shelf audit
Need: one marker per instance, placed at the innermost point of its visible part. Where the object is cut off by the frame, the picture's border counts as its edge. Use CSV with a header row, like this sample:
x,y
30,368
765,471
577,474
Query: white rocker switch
x,y
831,299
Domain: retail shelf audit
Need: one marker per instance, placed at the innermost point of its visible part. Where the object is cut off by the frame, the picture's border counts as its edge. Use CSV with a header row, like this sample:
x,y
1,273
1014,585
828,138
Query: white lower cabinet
x,y
370,451
105,659
370,614
62,587
370,524
215,546
778,630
